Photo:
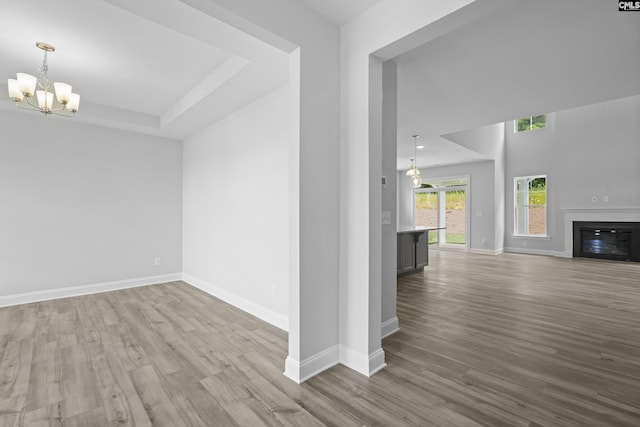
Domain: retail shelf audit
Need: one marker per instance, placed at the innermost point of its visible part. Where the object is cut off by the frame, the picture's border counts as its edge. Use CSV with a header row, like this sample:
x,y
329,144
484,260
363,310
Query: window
x,y
530,123
530,210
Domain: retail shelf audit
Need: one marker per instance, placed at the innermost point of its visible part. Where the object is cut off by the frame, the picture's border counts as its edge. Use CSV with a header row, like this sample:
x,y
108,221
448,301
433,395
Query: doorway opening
x,y
443,203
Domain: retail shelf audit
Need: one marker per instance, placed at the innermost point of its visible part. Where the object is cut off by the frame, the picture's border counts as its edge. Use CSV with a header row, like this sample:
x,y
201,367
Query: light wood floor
x,y
510,340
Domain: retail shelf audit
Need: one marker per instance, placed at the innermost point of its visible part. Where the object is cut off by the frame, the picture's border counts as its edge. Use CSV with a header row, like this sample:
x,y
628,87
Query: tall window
x,y
530,210
530,123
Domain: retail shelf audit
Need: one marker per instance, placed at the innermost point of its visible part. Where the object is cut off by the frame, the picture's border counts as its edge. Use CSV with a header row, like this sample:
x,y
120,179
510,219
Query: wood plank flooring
x,y
510,340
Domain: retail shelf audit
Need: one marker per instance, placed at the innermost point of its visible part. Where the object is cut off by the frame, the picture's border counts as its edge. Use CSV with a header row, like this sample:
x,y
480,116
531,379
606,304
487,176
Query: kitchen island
x,y
413,248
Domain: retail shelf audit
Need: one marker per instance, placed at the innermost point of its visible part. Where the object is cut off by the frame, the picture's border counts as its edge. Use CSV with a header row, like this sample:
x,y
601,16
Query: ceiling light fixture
x,y
24,87
414,173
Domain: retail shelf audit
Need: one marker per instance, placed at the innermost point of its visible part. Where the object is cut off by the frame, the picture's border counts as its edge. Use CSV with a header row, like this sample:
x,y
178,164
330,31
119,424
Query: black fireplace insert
x,y
607,240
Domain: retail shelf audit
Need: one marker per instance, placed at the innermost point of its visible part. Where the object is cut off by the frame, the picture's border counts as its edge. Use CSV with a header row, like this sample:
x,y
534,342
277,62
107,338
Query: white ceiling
x,y
341,11
529,58
162,68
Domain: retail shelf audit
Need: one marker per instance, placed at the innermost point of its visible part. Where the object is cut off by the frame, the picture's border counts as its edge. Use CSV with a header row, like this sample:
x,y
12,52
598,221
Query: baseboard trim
x,y
528,251
486,251
376,361
366,364
300,372
75,291
390,326
243,304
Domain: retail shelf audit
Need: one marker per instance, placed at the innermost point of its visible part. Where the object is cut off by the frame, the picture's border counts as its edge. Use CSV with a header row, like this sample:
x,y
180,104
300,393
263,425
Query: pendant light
x,y
414,172
22,89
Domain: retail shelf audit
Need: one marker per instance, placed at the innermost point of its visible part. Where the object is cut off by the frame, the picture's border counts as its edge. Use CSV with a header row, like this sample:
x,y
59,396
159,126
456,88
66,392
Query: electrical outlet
x,y
157,261
605,199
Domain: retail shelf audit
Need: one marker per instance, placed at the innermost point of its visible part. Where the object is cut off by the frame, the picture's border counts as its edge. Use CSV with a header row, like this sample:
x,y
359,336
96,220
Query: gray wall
x,y
585,152
85,205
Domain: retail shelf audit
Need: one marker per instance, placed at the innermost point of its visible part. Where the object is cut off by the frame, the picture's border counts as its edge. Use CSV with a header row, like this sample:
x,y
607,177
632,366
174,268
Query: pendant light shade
x,y
27,83
45,100
63,92
14,90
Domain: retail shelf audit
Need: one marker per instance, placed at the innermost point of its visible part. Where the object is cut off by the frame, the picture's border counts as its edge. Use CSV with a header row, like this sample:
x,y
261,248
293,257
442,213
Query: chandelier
x,y
414,172
22,89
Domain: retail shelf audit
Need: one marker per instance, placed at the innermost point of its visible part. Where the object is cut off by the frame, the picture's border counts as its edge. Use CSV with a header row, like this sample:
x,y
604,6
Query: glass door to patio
x,y
443,204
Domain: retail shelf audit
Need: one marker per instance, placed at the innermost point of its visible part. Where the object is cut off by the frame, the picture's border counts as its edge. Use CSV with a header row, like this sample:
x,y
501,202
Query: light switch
x,y
479,213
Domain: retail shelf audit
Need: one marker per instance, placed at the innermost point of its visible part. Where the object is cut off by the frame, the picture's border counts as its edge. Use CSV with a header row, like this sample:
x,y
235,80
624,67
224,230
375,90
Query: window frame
x,y
530,178
515,123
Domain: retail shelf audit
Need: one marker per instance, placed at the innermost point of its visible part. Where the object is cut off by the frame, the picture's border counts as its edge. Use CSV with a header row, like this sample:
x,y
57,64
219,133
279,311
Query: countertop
x,y
415,229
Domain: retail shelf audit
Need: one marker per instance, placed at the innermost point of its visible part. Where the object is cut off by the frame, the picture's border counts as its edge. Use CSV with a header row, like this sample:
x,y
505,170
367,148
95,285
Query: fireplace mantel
x,y
620,214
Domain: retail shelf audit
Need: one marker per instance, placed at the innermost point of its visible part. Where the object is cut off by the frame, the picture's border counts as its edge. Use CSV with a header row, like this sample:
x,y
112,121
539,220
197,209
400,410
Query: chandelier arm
x,y
57,113
62,112
37,107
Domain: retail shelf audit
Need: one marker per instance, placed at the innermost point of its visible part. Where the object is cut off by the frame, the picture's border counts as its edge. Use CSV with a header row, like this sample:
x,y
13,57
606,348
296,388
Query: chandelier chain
x,y
42,75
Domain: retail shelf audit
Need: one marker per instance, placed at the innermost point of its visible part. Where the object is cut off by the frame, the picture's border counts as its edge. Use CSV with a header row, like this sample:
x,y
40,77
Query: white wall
x,y
588,151
236,223
481,180
84,205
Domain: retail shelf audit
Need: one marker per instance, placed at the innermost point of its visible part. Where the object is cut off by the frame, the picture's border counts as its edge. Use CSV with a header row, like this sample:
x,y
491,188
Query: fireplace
x,y
607,240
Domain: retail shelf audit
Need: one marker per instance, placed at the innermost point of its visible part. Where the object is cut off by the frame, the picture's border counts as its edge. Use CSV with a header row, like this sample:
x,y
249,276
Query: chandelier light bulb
x,y
416,181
